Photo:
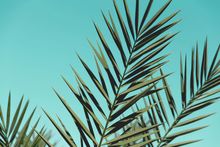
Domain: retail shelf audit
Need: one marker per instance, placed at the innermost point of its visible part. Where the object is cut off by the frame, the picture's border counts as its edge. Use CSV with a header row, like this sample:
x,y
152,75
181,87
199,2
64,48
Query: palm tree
x,y
136,76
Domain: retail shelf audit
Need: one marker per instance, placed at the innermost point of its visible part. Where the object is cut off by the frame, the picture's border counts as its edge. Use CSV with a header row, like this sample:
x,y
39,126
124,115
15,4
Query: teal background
x,y
39,38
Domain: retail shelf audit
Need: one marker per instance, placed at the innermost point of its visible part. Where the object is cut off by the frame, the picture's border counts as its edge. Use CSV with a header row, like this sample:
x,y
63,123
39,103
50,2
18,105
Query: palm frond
x,y
14,128
41,139
200,96
139,46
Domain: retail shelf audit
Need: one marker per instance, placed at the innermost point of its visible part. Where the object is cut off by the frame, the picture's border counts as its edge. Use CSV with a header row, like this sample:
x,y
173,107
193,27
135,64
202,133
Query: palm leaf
x,y
139,47
206,77
14,130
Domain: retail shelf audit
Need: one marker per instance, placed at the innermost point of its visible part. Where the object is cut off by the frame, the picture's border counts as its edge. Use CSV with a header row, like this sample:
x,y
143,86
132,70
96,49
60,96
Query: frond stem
x,y
178,118
116,95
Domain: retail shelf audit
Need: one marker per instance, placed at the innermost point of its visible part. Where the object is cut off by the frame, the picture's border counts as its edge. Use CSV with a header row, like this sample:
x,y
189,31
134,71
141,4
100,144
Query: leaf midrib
x,y
117,93
177,119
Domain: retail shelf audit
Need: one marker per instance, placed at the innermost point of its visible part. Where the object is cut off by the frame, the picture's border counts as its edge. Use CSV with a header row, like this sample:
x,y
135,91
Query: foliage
x,y
16,130
139,42
198,90
141,107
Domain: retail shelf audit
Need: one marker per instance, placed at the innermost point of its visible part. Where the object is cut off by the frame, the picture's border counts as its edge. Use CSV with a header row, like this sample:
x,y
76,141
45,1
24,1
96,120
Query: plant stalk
x,y
117,93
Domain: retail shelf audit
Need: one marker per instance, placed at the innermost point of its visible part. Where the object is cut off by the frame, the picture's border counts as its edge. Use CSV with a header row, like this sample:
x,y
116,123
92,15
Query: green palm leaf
x,y
139,48
14,130
206,76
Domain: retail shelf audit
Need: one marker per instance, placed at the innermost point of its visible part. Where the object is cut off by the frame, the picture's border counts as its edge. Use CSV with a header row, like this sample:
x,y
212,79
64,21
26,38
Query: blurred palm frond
x,y
16,129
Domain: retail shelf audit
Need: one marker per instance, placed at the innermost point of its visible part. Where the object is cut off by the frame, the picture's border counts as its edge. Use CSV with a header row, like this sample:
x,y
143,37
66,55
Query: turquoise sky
x,y
39,38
